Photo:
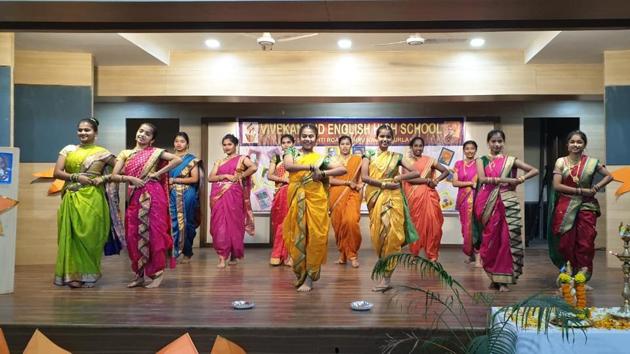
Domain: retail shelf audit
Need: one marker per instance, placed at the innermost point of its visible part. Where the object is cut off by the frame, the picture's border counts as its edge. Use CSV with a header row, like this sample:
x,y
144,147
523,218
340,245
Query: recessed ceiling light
x,y
477,42
344,43
213,43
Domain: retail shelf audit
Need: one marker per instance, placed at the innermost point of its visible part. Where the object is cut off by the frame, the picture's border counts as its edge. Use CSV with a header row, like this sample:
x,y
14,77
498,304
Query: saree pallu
x,y
306,224
572,213
498,211
83,218
425,210
390,223
279,210
231,212
148,224
184,206
345,211
464,205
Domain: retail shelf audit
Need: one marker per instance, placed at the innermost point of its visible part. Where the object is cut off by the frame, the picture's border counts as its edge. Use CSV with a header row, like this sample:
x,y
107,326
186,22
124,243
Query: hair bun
x,y
94,120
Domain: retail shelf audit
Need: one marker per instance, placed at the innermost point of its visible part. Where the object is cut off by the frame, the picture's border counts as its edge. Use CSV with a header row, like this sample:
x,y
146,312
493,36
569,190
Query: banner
x,y
434,131
260,140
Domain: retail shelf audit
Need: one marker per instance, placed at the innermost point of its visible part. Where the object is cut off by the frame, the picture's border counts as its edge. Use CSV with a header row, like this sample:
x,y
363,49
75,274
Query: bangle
x,y
382,184
348,183
521,178
579,191
596,188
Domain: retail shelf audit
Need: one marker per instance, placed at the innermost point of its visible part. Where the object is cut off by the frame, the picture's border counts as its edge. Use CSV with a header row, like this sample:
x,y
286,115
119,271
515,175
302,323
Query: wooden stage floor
x,y
197,298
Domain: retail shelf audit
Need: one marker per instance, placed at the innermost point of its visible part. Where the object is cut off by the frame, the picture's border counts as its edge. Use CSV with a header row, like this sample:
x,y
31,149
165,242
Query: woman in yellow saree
x,y
307,222
345,204
390,223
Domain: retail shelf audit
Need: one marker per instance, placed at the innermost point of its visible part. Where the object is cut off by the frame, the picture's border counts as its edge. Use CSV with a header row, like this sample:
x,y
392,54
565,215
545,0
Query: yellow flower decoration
x,y
564,278
580,278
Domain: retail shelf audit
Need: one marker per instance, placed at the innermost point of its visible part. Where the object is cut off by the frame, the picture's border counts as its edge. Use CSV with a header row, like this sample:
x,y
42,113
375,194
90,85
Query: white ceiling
x,y
150,48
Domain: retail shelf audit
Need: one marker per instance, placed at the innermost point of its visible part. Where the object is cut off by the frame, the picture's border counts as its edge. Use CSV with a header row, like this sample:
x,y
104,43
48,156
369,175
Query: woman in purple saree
x,y
497,209
147,220
231,211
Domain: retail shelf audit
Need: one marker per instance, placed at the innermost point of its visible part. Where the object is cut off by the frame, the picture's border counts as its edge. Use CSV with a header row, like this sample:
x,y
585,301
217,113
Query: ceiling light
x,y
213,43
344,43
477,42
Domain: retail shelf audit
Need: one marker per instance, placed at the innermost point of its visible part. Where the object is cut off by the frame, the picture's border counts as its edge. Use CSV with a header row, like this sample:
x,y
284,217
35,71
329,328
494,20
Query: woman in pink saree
x,y
465,178
497,209
231,211
147,220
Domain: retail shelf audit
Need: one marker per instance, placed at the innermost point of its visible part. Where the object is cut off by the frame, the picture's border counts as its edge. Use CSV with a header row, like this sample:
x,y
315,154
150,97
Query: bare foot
x,y
74,284
383,286
503,288
221,263
275,262
340,261
157,280
478,263
588,287
467,261
233,261
183,260
288,262
355,263
138,281
88,285
306,286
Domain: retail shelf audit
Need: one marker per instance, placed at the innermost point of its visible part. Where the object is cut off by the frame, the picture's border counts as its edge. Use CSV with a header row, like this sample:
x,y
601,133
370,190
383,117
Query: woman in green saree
x,y
84,218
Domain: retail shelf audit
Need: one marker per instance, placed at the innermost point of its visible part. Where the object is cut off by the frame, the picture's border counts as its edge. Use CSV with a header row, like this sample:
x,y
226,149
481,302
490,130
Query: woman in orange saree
x,y
345,204
424,201
279,208
575,209
391,227
307,222
498,211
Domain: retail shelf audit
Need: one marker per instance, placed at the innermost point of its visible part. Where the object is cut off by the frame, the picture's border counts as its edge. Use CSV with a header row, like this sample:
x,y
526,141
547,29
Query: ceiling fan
x,y
266,41
417,40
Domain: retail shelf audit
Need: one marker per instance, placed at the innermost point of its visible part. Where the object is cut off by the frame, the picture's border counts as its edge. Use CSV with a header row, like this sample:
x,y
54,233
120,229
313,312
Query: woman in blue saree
x,y
184,199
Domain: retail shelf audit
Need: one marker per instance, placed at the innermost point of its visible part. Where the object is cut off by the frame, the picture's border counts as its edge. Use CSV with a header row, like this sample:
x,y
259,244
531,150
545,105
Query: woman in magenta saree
x,y
575,207
465,179
497,209
147,220
231,212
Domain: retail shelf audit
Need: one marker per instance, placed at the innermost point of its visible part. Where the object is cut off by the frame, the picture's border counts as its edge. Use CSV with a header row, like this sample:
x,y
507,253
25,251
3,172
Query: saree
x,y
425,210
391,227
498,211
231,212
148,224
345,211
184,206
84,219
464,205
571,213
307,221
279,210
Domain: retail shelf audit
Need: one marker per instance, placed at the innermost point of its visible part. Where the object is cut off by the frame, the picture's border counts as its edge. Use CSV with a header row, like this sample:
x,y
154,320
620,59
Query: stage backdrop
x,y
260,140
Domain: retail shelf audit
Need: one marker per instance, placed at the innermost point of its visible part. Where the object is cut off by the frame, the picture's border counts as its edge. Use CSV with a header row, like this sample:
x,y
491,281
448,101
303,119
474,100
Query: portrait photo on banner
x,y
443,138
6,166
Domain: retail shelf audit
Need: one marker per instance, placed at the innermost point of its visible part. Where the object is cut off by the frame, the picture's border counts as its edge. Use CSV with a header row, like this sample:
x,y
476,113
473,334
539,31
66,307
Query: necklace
x,y
575,177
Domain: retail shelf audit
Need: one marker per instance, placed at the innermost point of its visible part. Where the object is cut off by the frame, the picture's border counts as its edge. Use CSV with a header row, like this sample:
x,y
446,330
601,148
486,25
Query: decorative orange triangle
x,y
224,346
40,344
4,347
181,345
622,175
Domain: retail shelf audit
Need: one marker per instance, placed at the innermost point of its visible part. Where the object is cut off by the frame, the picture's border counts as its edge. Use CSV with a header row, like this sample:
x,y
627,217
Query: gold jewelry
x,y
521,178
576,177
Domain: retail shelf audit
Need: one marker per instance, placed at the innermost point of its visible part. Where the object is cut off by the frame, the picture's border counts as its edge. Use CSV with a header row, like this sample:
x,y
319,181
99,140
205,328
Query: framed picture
x,y
446,156
6,167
